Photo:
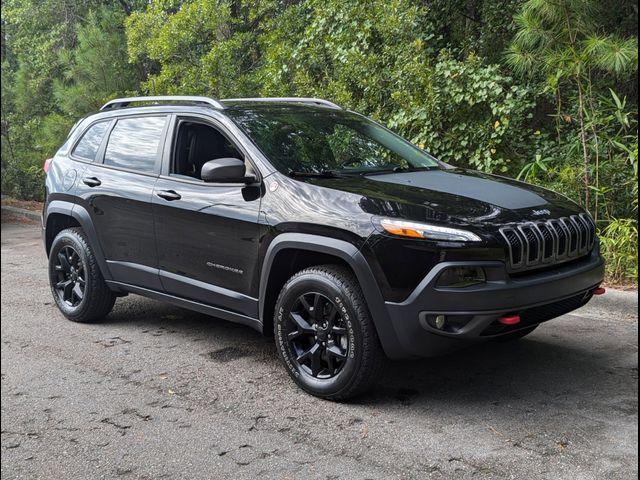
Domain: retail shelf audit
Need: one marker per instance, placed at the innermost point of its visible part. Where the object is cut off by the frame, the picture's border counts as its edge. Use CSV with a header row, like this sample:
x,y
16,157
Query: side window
x,y
196,144
89,144
135,143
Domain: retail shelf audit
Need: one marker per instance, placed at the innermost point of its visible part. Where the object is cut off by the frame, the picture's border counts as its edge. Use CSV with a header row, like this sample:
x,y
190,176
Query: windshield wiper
x,y
416,169
322,174
402,170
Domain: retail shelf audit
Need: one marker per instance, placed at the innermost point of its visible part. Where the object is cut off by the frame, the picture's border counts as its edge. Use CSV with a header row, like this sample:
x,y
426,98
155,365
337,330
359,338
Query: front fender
x,y
351,256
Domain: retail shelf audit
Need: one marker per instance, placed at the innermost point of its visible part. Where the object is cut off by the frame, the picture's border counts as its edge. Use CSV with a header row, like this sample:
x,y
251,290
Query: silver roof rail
x,y
304,100
124,102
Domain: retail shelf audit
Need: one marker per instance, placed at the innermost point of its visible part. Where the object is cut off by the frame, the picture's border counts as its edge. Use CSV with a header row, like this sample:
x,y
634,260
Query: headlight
x,y
460,277
403,228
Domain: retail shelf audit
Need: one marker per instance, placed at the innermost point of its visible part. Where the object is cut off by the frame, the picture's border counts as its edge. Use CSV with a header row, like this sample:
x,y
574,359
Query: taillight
x,y
46,165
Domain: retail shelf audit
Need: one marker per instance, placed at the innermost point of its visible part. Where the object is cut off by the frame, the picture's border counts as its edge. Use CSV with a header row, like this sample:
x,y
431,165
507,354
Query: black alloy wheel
x,y
70,272
325,335
317,335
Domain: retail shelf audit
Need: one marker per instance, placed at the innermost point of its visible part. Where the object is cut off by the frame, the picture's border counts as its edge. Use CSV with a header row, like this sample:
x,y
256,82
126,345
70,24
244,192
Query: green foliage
x,y
560,43
23,181
96,68
201,47
472,115
372,57
619,244
60,60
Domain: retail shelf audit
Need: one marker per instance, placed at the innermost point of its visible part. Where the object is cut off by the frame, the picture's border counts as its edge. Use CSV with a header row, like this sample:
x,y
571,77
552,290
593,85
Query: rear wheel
x,y
77,285
325,335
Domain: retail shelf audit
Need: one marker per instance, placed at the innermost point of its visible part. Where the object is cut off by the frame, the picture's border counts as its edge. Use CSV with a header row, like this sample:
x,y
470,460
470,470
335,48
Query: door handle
x,y
91,181
169,195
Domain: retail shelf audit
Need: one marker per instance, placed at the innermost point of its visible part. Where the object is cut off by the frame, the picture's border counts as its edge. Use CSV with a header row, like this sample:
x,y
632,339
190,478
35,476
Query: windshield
x,y
316,140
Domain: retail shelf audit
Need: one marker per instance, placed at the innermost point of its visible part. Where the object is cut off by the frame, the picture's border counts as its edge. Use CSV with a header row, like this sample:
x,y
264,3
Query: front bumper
x,y
536,297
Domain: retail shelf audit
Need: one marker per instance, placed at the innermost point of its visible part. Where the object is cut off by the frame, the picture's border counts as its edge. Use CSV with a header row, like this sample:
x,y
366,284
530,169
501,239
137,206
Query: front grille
x,y
533,244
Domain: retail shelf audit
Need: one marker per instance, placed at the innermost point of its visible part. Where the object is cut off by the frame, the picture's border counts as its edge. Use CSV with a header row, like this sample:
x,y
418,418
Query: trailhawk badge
x,y
225,268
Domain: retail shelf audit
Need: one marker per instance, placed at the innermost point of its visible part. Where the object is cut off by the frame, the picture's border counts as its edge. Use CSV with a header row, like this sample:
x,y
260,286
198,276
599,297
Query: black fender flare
x,y
350,254
82,216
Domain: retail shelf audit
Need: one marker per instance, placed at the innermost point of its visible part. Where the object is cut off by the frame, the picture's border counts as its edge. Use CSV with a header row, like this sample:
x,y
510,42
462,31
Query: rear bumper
x,y
471,313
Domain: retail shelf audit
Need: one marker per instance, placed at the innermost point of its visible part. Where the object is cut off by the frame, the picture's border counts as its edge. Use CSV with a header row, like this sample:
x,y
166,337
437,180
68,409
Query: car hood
x,y
457,196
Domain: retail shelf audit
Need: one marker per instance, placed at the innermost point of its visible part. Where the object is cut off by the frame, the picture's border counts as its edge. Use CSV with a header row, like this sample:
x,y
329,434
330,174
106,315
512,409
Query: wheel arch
x,y
61,215
289,253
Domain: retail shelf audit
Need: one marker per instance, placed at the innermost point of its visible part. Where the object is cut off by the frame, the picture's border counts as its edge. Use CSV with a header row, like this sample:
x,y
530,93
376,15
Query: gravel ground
x,y
159,392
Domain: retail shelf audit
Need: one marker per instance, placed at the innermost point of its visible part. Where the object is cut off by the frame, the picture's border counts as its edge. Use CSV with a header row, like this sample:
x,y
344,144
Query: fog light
x,y
440,321
460,277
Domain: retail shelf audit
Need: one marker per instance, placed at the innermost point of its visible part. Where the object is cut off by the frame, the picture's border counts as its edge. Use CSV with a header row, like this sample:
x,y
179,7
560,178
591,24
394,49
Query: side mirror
x,y
224,170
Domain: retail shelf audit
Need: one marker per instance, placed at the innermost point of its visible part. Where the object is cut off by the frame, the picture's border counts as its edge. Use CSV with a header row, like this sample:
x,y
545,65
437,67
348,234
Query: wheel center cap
x,y
322,334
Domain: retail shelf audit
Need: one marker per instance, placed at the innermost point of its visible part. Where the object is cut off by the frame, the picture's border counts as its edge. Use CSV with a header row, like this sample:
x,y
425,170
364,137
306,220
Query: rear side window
x,y
134,143
89,144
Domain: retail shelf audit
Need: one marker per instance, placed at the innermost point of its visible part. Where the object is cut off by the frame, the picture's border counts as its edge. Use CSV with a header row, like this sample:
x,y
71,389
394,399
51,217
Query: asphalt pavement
x,y
157,392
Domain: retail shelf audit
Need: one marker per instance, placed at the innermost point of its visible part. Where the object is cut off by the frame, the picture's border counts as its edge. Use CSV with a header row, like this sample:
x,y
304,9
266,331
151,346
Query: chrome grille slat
x,y
532,244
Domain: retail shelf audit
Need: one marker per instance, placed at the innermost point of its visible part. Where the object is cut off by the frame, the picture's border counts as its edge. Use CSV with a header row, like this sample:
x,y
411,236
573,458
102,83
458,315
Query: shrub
x,y
25,182
619,245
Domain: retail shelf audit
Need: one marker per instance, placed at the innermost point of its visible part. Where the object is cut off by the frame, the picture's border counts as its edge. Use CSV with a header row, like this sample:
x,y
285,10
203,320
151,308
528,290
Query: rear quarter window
x,y
88,146
135,143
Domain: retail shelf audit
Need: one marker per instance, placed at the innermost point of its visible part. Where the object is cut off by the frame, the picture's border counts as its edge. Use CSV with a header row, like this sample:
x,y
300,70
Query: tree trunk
x,y
583,140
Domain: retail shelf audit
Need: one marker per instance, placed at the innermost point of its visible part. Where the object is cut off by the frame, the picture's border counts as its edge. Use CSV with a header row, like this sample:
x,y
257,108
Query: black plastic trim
x,y
352,256
84,219
189,304
135,273
501,294
220,297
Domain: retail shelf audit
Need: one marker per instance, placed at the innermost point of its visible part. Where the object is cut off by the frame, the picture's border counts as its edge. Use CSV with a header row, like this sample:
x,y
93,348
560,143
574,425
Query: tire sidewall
x,y
68,239
308,283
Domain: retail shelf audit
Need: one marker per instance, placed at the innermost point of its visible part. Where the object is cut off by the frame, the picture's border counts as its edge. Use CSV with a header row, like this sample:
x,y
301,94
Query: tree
x,y
561,40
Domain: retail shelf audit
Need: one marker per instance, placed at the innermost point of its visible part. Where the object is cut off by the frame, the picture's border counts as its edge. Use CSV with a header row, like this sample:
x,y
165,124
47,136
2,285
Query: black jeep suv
x,y
296,217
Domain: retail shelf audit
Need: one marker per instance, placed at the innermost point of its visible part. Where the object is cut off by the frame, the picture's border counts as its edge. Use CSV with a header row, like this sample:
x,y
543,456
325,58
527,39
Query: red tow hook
x,y
509,320
599,291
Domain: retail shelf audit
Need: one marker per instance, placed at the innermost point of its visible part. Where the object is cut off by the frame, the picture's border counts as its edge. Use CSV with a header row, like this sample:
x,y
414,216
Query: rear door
x,y
207,234
117,189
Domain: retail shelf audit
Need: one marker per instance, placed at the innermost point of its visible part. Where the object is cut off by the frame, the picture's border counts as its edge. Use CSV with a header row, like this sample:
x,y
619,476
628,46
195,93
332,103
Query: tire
x,y
334,354
77,285
513,336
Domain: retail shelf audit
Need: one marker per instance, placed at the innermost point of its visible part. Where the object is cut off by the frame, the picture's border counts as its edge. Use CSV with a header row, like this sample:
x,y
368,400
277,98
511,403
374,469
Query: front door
x,y
206,234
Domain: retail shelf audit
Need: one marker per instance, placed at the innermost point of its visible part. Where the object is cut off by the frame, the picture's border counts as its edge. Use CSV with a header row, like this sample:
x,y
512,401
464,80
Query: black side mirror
x,y
224,170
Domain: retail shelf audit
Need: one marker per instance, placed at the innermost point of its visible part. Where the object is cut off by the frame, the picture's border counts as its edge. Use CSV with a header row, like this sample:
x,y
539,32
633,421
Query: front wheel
x,y
325,335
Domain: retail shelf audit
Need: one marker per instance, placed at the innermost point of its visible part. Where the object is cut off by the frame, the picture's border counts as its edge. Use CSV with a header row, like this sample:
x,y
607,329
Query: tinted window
x,y
88,146
313,140
196,144
135,143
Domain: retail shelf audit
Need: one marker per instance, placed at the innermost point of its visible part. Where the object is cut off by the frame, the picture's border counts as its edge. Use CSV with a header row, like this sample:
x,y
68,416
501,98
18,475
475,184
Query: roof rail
x,y
124,102
304,100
